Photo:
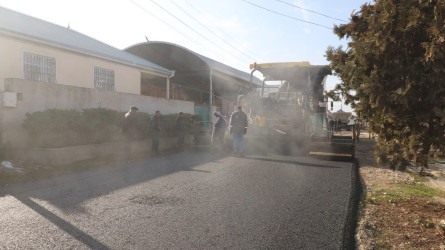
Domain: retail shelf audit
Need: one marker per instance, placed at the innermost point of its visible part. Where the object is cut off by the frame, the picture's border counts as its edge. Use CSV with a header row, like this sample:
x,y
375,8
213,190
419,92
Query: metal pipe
x,y
251,78
168,84
309,78
262,90
211,94
168,88
211,87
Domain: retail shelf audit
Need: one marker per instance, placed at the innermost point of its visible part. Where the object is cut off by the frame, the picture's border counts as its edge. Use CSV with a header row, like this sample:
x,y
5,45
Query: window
x,y
39,68
103,79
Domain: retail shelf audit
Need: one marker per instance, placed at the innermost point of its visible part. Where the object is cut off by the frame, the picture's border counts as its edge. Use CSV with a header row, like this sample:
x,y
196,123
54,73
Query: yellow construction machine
x,y
291,115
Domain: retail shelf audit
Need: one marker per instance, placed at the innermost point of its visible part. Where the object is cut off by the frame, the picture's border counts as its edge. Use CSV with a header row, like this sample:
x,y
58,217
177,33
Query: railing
x,y
161,92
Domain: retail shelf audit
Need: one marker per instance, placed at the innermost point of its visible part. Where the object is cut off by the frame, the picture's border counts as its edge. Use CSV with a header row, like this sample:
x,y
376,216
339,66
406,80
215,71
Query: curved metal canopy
x,y
187,63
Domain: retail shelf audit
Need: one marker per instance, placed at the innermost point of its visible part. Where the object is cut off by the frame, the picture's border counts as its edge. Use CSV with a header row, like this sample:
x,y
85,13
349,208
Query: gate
x,y
203,111
204,130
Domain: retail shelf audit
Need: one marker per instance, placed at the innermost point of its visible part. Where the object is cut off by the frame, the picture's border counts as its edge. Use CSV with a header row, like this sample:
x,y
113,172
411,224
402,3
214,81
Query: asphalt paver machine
x,y
292,118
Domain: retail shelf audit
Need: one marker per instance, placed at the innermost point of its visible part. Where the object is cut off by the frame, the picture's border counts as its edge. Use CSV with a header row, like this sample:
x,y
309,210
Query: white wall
x,y
72,68
37,96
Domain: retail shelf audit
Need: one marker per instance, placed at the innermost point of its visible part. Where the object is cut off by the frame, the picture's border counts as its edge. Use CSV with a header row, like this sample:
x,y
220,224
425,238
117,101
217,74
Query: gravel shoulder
x,y
399,210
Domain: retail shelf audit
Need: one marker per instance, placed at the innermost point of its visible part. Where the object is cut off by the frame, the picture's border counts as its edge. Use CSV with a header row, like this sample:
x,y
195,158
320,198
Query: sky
x,y
234,32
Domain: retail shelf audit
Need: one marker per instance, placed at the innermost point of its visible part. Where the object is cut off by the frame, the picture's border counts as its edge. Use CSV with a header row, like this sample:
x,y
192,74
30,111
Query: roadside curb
x,y
349,229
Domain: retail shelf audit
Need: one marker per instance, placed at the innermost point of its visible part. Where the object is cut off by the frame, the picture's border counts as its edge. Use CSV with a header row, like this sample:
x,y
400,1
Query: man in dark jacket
x,y
195,126
180,129
155,132
219,131
238,128
129,129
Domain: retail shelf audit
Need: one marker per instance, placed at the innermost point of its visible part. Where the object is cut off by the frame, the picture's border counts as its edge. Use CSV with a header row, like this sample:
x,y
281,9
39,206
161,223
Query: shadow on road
x,y
62,224
308,164
69,191
78,187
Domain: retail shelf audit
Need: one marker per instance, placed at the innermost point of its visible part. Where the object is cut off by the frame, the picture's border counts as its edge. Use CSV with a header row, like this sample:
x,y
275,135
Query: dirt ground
x,y
399,210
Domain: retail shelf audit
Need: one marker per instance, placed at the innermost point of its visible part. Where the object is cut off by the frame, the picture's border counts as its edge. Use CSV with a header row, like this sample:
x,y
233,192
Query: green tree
x,y
393,75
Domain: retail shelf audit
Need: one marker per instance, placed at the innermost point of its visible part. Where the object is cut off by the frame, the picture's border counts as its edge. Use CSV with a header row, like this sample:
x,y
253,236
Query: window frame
x,y
39,68
108,78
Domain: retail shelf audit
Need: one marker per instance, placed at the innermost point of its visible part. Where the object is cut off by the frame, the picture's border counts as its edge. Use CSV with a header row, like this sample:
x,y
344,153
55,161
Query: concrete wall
x,y
113,150
72,68
37,96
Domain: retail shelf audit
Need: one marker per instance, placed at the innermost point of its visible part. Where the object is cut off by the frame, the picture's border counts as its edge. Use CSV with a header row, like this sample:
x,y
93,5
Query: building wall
x,y
73,69
35,96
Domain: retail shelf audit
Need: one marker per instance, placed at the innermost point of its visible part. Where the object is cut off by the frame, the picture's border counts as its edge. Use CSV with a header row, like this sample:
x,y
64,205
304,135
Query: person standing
x,y
238,128
219,131
180,129
331,125
129,129
194,119
155,132
337,125
358,127
195,126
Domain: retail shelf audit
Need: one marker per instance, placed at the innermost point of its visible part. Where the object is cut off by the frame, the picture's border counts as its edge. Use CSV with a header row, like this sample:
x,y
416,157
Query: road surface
x,y
188,200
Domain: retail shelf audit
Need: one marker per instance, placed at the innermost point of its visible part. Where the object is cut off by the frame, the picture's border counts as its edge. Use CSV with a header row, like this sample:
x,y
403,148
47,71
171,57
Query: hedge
x,y
64,128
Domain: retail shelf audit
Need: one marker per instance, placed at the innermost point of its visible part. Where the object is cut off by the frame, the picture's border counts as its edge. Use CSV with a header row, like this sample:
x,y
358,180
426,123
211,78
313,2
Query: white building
x,y
44,66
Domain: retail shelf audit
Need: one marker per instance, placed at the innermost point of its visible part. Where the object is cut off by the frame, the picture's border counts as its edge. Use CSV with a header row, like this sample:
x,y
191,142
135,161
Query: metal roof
x,y
301,76
291,70
215,65
279,65
29,28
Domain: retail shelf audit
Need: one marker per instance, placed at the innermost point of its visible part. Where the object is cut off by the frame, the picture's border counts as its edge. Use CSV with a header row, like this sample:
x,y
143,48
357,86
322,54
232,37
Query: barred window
x,y
103,79
39,68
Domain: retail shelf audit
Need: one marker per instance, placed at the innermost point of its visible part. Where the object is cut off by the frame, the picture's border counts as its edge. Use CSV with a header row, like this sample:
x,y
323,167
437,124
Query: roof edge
x,y
205,59
174,44
81,51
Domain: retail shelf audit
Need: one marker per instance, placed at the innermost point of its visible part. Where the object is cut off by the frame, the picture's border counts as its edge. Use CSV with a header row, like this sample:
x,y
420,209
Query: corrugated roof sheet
x,y
24,25
232,71
218,66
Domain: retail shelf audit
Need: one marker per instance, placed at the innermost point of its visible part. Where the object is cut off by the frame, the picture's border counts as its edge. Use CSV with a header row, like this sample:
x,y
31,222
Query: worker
x,y
238,128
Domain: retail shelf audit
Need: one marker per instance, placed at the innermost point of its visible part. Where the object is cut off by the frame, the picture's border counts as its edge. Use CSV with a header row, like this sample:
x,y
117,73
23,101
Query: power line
x,y
188,26
321,14
281,14
169,25
211,31
222,31
164,22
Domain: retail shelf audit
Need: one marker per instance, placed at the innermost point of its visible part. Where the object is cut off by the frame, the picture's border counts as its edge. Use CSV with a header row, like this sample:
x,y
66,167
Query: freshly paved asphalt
x,y
189,200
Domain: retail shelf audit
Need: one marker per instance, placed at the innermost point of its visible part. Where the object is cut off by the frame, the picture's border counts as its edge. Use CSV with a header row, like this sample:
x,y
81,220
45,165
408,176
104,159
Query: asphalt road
x,y
189,200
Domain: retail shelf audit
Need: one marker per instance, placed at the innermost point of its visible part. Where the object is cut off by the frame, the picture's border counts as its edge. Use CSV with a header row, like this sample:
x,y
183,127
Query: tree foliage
x,y
393,75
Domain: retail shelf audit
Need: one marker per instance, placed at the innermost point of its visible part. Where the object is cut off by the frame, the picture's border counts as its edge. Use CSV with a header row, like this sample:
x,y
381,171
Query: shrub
x,y
63,128
169,123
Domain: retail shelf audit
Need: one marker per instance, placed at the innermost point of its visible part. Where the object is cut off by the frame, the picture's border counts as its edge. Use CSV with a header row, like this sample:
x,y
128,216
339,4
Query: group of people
x,y
356,126
130,130
238,128
335,125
